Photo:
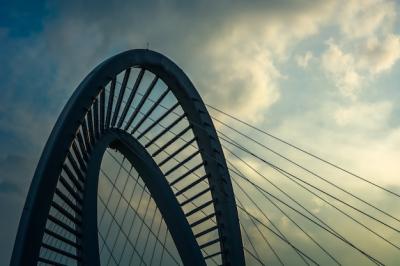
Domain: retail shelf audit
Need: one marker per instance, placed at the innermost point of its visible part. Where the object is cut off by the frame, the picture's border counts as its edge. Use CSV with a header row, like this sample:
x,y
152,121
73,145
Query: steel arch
x,y
81,116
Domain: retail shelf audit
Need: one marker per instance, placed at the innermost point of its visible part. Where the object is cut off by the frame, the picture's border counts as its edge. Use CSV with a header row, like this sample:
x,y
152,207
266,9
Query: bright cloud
x,y
379,55
303,60
369,45
364,115
341,67
366,18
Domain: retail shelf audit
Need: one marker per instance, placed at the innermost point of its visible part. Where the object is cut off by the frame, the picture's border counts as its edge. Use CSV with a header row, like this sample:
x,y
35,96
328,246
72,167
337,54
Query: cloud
x,y
358,136
360,19
351,70
239,60
364,116
14,171
22,117
228,59
237,55
246,83
219,46
341,68
367,47
379,55
243,62
303,60
9,188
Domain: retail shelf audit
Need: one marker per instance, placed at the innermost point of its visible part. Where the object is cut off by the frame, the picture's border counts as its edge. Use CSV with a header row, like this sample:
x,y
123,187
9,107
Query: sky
x,y
321,74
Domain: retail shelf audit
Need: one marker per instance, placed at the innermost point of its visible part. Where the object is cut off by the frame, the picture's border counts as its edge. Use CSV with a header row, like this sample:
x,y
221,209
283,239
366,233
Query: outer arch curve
x,y
37,204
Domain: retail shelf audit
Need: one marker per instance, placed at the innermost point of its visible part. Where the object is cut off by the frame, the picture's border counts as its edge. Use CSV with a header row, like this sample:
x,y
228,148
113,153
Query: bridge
x,y
138,170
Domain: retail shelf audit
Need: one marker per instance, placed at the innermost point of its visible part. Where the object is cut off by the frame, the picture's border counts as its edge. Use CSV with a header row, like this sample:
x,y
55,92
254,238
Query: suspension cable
x,y
291,161
281,169
264,192
326,193
331,232
304,151
309,171
262,235
272,231
298,226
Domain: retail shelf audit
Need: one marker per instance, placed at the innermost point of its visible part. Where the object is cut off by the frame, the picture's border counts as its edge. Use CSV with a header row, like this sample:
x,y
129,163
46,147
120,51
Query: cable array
x,y
289,212
314,190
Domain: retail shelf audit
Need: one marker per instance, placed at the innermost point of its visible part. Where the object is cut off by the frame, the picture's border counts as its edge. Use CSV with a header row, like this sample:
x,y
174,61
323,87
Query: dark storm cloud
x,y
9,188
14,170
15,175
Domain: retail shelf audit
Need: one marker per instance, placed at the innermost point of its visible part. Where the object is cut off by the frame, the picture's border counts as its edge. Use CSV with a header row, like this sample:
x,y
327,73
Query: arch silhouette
x,y
95,118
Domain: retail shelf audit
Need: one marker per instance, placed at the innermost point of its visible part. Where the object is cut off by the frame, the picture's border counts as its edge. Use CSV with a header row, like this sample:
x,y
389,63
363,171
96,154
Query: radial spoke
x,y
120,97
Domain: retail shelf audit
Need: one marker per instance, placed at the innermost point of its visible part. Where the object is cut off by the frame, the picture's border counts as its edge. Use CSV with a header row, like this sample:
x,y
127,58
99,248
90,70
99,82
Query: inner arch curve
x,y
109,99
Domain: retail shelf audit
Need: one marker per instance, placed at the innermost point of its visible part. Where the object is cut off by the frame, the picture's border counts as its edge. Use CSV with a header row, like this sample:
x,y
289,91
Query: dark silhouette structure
x,y
112,108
